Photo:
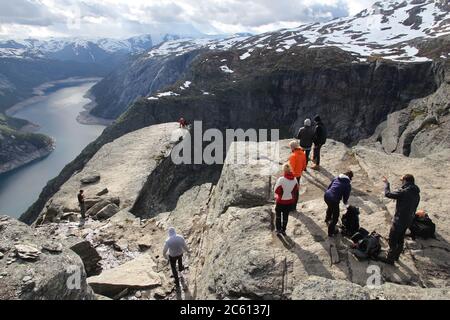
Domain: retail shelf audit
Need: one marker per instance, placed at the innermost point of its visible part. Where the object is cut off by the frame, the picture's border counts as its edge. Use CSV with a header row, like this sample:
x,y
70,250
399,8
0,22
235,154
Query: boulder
x,y
27,252
52,214
90,179
103,192
96,208
136,274
90,257
107,212
43,271
90,202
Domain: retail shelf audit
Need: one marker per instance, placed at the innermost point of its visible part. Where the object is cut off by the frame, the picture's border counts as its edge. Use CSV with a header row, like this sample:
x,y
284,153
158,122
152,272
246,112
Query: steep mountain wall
x,y
136,78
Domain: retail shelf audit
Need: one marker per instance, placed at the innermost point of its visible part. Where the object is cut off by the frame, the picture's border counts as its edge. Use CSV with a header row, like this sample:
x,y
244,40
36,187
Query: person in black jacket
x,y
320,137
81,203
306,136
408,199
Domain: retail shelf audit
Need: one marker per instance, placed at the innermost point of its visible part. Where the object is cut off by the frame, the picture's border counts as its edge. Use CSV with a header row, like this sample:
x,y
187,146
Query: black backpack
x,y
369,247
350,221
361,234
423,228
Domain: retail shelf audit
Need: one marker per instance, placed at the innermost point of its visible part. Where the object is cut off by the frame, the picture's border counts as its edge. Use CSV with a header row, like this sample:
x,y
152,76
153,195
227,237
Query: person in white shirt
x,y
174,249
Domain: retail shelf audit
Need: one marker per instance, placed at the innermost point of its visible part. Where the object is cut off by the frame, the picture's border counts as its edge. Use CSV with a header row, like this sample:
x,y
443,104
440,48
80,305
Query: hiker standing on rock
x,y
183,123
320,138
286,198
408,199
306,136
297,160
175,245
339,189
82,204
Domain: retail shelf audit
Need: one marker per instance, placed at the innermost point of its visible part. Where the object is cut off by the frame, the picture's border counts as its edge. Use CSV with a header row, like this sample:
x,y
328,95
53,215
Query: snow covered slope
x,y
388,29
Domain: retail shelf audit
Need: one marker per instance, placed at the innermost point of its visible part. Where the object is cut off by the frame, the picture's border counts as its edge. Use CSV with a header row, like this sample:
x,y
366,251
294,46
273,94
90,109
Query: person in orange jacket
x,y
297,160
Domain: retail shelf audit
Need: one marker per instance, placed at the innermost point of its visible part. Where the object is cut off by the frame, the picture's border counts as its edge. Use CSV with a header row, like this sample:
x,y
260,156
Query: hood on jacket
x,y
412,187
289,176
344,177
172,232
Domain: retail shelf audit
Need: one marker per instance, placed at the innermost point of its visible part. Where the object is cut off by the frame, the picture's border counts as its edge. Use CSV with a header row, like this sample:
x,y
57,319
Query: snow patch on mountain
x,y
384,30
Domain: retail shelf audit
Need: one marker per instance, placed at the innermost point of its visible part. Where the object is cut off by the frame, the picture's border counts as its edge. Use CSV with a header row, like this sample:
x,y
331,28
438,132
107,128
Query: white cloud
x,y
121,18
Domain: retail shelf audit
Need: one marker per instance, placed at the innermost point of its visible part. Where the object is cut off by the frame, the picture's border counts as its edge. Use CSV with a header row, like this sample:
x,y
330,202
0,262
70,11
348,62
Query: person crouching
x,y
286,197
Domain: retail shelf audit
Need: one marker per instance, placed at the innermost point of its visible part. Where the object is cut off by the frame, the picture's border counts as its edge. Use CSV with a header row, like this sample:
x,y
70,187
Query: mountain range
x,y
400,31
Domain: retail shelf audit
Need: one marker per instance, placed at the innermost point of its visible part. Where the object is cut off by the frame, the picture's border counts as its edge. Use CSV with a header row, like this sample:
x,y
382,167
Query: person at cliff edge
x,y
339,189
305,136
175,246
408,199
297,162
82,204
320,138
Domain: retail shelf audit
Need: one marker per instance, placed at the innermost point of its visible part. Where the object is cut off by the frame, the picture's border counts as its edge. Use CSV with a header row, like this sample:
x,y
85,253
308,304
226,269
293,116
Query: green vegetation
x,y
10,130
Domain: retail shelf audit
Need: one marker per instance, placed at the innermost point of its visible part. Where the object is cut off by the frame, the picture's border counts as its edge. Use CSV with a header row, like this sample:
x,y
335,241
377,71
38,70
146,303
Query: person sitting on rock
x,y
408,199
81,203
175,246
339,189
306,136
286,198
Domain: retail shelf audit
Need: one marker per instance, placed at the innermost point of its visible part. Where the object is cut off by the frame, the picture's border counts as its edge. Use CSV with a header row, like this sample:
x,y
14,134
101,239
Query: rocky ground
x,y
229,227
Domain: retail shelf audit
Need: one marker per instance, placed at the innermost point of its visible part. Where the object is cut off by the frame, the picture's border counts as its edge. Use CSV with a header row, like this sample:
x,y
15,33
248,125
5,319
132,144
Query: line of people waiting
x,y
287,190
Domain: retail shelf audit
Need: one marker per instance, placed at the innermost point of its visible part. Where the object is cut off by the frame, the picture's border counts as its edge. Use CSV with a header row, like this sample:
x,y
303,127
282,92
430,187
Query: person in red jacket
x,y
286,197
183,123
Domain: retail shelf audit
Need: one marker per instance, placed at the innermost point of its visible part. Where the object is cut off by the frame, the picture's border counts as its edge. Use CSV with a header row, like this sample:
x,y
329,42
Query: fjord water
x,y
55,112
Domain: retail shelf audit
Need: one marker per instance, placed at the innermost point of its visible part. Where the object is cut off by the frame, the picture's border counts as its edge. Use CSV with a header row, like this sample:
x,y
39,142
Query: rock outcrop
x,y
19,148
121,166
235,253
35,267
241,257
422,128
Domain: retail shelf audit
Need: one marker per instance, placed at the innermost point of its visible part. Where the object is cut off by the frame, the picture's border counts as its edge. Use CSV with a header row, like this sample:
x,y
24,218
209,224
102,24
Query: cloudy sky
x,y
123,18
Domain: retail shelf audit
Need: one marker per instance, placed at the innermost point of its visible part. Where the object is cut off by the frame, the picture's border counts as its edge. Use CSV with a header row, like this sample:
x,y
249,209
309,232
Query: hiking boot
x,y
315,167
384,257
283,233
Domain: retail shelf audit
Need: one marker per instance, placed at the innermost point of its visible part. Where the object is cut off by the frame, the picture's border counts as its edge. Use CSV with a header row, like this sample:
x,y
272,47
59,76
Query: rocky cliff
x,y
136,78
17,147
421,128
229,225
38,267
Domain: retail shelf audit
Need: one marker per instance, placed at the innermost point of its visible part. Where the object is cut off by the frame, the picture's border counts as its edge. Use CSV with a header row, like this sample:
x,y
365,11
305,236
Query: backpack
x,y
369,247
423,228
350,221
361,234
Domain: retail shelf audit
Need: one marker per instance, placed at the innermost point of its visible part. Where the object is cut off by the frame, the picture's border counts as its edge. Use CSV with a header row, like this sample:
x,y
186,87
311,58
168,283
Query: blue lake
x,y
56,113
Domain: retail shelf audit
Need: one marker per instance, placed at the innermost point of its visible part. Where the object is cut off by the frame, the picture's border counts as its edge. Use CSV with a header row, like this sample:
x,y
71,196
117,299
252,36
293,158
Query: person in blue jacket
x,y
339,189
